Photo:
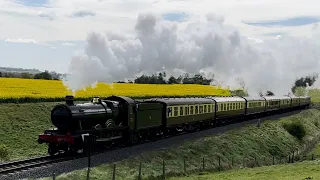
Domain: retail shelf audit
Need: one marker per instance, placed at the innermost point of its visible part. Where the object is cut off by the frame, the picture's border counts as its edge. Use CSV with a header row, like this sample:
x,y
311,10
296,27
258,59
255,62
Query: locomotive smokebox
x,y
69,100
72,117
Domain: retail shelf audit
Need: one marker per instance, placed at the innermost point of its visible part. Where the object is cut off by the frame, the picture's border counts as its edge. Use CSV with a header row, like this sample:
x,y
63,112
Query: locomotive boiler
x,y
94,115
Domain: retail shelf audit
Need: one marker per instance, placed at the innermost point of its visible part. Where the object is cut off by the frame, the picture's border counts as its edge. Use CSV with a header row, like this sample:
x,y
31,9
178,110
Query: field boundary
x,y
62,99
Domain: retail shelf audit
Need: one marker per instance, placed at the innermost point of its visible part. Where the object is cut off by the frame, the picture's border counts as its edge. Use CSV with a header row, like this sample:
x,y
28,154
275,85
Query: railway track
x,y
18,166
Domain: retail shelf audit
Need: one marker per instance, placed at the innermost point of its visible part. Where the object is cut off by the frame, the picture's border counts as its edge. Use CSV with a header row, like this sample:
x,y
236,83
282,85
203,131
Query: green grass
x,y
315,153
20,125
315,95
295,171
250,142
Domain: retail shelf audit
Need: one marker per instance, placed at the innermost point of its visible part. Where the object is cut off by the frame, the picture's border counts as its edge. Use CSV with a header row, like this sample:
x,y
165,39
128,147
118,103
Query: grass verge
x,y
250,145
296,171
20,125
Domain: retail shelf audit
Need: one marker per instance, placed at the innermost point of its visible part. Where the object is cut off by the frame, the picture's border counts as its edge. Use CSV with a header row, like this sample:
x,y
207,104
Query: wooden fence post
x,y
203,164
232,161
255,160
292,160
243,165
88,173
163,170
54,176
114,172
184,165
139,176
272,160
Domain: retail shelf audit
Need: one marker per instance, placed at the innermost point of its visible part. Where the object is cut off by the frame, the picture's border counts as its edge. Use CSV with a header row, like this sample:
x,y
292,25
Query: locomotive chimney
x,y
69,100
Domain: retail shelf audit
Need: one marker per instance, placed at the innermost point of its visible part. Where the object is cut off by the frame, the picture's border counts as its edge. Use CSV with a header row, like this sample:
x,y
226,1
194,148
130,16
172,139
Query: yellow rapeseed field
x,y
33,88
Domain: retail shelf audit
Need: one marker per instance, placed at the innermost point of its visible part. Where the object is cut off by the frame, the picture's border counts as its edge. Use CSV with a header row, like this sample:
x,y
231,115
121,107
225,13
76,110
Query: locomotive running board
x,y
108,139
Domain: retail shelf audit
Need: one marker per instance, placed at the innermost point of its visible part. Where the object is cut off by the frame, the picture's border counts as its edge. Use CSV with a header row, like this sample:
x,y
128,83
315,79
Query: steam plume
x,y
201,46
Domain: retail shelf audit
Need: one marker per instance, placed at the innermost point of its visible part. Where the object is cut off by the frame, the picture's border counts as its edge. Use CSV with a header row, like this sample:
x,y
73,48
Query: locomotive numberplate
x,y
60,139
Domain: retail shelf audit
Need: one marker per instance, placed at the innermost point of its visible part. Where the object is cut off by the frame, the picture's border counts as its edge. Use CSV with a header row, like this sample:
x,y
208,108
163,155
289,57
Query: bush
x,y
295,128
4,153
316,123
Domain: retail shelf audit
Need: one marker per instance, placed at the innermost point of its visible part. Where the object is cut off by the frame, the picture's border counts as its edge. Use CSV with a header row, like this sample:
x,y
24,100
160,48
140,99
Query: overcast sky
x,y
45,34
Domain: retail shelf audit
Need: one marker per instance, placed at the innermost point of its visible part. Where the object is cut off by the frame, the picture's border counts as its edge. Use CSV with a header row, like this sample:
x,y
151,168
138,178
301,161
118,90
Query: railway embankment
x,y
273,142
20,125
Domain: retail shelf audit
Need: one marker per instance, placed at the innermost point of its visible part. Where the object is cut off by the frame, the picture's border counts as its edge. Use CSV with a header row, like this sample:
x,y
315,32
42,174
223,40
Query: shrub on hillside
x,y
295,128
4,153
316,123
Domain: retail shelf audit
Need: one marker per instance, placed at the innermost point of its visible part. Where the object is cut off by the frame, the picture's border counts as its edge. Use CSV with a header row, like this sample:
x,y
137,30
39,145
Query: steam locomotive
x,y
123,121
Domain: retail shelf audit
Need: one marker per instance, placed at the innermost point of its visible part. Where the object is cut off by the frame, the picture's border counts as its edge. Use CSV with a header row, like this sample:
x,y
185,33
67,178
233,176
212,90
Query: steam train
x,y
123,121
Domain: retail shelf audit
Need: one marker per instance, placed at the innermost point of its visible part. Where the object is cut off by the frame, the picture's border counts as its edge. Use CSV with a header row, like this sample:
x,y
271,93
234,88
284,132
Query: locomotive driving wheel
x,y
52,150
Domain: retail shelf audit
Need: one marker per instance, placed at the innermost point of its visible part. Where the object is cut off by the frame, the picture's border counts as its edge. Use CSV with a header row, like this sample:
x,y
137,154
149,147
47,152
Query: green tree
x,y
26,75
44,75
304,81
269,93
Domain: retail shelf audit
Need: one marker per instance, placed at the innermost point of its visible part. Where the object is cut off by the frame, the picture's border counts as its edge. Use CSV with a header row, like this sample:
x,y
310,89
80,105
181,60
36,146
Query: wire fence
x,y
216,163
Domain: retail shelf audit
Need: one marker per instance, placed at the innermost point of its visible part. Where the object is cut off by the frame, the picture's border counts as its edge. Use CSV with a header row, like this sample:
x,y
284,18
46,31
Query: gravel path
x,y
126,152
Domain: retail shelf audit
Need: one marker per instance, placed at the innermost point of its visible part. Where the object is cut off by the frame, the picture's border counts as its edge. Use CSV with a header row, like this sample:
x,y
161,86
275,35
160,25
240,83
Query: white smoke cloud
x,y
206,46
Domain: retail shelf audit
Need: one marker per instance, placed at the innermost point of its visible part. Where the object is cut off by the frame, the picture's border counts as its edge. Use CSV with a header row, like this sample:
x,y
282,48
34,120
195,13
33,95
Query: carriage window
x,y
170,112
181,111
191,109
175,111
186,109
200,109
196,109
205,108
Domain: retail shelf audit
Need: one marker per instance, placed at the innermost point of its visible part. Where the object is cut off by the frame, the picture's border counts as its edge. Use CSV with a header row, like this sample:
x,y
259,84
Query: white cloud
x,y
81,13
223,44
48,15
28,41
120,16
67,44
22,41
